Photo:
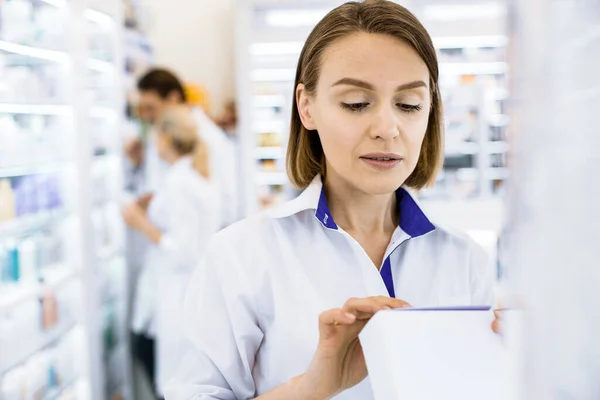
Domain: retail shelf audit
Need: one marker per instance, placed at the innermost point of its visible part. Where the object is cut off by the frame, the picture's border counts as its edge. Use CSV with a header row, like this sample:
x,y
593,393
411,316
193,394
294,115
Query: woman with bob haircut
x,y
276,306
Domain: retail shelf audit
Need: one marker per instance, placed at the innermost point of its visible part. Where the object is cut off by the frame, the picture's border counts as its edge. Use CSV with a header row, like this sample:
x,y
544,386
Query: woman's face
x,y
371,109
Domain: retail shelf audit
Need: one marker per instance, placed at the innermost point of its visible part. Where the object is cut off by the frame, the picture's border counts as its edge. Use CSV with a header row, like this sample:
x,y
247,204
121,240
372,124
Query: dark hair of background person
x,y
163,82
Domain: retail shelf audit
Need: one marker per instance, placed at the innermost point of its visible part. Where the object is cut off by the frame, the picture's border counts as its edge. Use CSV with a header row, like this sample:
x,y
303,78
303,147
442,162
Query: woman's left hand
x,y
134,216
497,323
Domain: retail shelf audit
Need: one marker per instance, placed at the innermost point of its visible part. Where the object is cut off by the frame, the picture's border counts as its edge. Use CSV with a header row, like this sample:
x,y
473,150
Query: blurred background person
x,y
180,220
160,88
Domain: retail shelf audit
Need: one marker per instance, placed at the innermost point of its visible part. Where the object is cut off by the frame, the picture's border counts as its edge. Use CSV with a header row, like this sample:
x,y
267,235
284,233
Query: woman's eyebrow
x,y
368,86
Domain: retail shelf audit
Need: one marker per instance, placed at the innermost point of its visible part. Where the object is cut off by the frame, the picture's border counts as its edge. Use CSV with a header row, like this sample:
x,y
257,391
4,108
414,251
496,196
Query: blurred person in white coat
x,y
160,88
182,217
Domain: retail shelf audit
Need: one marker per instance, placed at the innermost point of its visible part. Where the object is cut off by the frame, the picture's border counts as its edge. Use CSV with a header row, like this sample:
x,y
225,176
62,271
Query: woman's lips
x,y
382,161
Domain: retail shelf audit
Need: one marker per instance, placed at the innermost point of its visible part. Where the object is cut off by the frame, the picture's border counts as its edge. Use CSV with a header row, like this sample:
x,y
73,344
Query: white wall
x,y
195,38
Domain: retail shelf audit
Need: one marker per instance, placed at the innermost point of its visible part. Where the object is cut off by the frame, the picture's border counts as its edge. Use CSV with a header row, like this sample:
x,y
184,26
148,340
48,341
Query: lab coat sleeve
x,y
482,277
229,185
222,332
182,239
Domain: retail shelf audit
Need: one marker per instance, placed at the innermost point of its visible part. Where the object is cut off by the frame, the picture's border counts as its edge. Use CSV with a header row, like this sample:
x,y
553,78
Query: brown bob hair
x,y
305,157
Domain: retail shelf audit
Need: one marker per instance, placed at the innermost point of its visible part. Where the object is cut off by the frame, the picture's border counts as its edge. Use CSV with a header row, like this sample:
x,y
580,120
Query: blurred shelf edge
x,y
471,148
55,3
55,392
268,100
35,109
9,172
273,75
269,126
28,223
474,68
34,52
109,252
49,339
271,178
457,68
440,42
499,120
463,42
101,66
492,174
103,112
100,18
269,153
461,148
60,275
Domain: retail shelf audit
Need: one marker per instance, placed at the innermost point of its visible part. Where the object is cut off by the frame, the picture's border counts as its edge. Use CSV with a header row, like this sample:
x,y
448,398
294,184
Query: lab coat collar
x,y
183,162
413,220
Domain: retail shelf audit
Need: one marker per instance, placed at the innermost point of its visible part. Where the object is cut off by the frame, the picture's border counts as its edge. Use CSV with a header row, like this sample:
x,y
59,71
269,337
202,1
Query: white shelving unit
x,y
106,37
60,230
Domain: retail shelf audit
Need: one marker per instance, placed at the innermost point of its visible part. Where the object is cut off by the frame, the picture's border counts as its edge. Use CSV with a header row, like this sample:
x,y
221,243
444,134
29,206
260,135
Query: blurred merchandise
x,y
60,159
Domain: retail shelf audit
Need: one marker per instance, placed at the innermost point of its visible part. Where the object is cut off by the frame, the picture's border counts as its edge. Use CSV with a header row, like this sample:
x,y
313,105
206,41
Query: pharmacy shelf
x,y
99,18
55,3
268,100
471,148
498,120
56,392
274,125
462,148
456,68
34,52
109,252
101,66
492,174
51,338
273,75
54,277
464,42
499,147
269,153
294,48
32,223
271,178
23,170
36,109
473,68
106,113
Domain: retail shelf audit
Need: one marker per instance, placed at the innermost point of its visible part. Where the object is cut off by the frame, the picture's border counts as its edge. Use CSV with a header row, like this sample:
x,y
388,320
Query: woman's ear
x,y
304,102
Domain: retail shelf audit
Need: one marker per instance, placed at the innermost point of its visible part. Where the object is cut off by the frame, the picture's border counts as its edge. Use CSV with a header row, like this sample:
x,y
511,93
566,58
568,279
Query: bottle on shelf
x,y
7,201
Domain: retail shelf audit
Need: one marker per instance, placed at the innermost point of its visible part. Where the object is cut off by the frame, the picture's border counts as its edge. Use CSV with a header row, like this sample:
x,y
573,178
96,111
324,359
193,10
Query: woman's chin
x,y
381,185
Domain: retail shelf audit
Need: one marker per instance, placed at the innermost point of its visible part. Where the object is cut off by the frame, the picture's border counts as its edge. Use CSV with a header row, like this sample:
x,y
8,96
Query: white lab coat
x,y
253,304
186,210
223,159
223,166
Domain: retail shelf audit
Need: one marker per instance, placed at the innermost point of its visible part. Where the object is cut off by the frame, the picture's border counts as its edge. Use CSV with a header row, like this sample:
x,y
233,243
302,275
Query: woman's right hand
x,y
339,363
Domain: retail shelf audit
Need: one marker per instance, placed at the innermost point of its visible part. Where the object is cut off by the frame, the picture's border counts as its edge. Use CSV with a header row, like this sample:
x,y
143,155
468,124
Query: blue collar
x,y
413,220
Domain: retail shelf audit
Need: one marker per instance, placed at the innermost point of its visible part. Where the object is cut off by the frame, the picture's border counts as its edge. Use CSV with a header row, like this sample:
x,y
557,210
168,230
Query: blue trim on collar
x,y
322,212
388,279
413,220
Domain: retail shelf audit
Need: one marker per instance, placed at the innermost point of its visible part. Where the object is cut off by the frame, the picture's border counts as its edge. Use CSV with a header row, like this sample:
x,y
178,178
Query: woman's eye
x,y
409,107
355,107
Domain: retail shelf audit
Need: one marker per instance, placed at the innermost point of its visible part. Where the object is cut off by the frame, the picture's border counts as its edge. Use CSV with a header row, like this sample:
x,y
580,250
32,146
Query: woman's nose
x,y
385,125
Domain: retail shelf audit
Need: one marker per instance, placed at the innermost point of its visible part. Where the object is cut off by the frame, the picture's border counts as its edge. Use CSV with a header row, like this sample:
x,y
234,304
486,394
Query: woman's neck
x,y
359,212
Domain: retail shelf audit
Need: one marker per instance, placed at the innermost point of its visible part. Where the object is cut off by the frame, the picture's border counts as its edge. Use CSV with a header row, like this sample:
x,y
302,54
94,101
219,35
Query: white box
x,y
436,354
